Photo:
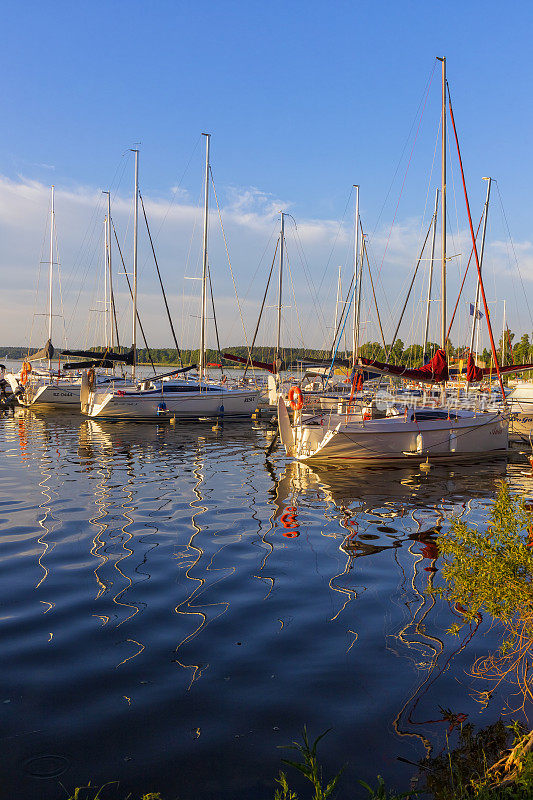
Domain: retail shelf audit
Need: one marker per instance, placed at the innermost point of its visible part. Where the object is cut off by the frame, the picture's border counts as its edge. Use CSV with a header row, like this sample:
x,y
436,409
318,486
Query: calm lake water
x,y
165,623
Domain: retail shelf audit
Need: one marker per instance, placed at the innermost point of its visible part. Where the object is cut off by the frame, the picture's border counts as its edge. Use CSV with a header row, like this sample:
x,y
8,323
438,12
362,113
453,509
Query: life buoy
x,y
296,398
91,379
25,371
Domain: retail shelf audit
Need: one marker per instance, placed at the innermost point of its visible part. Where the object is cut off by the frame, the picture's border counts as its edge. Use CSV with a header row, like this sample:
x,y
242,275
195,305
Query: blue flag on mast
x,y
479,315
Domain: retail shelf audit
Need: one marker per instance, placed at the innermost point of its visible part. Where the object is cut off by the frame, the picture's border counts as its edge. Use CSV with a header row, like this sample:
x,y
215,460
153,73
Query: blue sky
x,y
302,100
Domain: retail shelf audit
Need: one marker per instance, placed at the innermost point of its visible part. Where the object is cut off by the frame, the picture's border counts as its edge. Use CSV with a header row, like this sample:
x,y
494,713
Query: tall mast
x,y
481,251
280,285
433,236
359,292
109,267
106,330
339,295
205,262
355,265
443,209
503,336
135,235
51,269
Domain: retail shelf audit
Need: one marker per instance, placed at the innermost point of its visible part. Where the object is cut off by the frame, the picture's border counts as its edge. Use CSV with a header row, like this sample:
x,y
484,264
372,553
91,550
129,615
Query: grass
x,y
105,792
474,770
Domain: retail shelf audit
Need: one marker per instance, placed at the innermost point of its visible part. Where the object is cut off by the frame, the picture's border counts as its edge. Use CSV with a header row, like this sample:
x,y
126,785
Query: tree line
x,y
412,355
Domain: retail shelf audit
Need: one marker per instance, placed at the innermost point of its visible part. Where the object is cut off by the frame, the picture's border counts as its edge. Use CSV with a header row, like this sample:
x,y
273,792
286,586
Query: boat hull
x,y
382,442
53,396
183,405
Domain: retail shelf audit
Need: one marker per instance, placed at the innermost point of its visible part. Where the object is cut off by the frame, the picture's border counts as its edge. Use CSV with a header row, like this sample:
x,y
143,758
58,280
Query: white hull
x,y
521,419
521,404
54,395
181,405
396,440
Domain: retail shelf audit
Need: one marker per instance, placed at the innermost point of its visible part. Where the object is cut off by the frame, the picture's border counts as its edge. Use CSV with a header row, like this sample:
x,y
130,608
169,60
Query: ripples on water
x,y
164,622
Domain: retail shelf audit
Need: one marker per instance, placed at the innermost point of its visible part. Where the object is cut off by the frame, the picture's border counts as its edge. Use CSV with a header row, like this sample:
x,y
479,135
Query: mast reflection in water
x,y
171,601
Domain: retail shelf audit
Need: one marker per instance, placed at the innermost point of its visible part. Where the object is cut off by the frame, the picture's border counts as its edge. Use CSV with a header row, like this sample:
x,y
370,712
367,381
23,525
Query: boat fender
x,y
295,398
91,378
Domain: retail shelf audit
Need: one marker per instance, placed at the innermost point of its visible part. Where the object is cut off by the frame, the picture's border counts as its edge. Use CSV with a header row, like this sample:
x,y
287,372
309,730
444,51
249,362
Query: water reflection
x,y
370,514
196,600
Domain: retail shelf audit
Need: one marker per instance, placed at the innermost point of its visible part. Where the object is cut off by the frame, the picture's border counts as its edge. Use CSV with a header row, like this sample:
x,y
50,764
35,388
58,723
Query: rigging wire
x,y
428,86
294,296
161,281
230,267
341,222
41,262
131,294
215,319
309,279
262,304
514,252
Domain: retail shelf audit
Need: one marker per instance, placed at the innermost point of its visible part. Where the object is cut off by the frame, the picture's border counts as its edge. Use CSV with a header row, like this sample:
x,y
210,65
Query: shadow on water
x,y
174,608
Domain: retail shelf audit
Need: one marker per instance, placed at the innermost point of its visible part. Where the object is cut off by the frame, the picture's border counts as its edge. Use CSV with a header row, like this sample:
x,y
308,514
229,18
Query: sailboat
x,y
42,386
399,435
168,395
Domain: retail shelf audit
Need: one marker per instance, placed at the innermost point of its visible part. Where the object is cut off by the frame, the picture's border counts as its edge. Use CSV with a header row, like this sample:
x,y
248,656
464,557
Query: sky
x,y
302,100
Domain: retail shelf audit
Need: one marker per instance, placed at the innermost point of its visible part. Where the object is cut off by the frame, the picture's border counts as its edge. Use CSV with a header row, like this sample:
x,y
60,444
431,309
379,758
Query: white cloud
x,y
251,219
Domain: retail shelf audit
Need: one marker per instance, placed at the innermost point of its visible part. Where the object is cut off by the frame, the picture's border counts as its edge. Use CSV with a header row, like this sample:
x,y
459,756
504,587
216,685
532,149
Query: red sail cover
x,y
435,371
258,364
475,374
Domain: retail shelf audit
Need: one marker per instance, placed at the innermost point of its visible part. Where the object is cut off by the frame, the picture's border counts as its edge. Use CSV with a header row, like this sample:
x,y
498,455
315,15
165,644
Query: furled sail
x,y
88,364
435,371
46,352
476,374
98,356
258,364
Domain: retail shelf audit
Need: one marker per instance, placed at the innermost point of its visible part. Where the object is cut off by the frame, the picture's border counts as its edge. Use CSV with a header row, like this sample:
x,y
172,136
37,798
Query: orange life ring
x,y
296,398
25,371
288,520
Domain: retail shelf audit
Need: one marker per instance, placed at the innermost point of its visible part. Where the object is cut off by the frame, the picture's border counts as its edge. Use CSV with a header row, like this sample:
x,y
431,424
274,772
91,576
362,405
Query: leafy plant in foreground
x,y
490,570
310,768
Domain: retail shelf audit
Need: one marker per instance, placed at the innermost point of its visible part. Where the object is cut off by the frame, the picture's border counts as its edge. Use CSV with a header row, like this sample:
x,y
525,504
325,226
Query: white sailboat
x,y
402,435
42,386
167,396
